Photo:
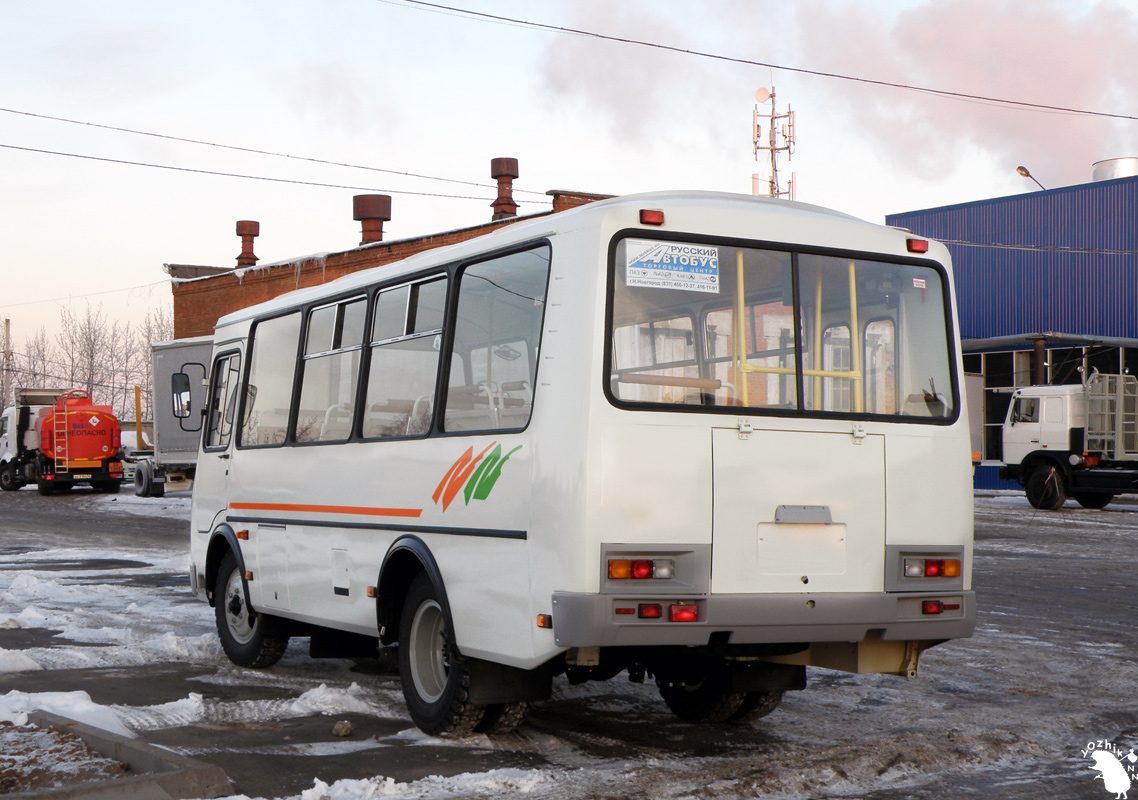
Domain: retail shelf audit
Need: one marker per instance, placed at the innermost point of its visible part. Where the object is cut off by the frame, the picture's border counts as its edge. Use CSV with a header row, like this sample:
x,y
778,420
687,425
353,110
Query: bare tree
x,y
106,358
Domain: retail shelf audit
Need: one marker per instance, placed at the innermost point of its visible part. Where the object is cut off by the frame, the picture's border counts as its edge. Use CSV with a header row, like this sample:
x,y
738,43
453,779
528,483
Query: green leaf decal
x,y
488,473
472,484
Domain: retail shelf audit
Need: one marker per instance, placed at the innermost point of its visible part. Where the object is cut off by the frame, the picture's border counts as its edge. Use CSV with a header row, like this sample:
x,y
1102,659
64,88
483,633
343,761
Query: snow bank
x,y
14,708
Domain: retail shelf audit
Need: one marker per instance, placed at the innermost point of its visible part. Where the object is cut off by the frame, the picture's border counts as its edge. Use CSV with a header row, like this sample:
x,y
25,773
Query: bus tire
x,y
436,681
503,717
247,637
1093,500
1045,488
704,698
9,482
757,705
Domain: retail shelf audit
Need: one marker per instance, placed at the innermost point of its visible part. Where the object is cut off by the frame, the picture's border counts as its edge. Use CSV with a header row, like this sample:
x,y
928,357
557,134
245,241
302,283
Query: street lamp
x,y
1027,174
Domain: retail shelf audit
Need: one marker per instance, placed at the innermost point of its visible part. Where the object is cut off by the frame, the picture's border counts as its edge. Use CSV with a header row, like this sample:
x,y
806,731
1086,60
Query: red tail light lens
x,y
641,569
650,611
932,606
684,613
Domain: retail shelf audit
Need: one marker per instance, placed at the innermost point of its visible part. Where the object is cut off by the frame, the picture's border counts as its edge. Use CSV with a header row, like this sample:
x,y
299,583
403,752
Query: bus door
x,y
212,477
797,511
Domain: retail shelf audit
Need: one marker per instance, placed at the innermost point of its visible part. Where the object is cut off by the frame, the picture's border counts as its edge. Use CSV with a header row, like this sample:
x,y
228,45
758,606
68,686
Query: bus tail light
x,y
650,611
917,245
651,216
932,568
932,606
684,612
641,568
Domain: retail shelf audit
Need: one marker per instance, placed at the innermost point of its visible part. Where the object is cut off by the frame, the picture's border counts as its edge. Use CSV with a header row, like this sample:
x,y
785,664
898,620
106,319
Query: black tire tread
x,y
503,717
757,705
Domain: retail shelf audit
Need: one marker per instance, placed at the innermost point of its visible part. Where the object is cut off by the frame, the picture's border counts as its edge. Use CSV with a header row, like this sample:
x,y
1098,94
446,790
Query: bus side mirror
x,y
180,386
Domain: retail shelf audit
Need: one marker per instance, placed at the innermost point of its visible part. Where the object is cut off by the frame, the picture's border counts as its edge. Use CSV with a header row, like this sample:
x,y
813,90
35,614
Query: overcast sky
x,y
396,86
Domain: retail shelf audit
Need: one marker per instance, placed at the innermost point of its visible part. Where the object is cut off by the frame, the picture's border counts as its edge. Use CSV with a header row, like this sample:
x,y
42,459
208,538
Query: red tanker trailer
x,y
70,441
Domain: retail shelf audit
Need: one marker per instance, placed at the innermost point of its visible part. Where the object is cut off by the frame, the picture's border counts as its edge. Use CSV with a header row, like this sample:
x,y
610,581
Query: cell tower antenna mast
x,y
780,139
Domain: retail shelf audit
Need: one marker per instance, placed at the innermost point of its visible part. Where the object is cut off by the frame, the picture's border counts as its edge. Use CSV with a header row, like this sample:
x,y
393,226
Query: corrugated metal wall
x,y
1004,291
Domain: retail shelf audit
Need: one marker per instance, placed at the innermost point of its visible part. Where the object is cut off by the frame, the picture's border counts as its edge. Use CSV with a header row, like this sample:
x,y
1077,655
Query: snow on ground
x,y
1023,690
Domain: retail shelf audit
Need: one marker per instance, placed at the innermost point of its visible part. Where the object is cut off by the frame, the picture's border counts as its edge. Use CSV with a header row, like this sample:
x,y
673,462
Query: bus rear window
x,y
722,326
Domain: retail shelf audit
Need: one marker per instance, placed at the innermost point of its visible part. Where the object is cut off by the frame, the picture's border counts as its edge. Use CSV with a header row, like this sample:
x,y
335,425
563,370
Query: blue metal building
x,y
1046,284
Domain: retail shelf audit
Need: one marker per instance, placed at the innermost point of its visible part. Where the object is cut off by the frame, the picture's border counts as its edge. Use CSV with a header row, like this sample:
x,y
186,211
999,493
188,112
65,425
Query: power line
x,y
451,10
237,175
255,150
87,294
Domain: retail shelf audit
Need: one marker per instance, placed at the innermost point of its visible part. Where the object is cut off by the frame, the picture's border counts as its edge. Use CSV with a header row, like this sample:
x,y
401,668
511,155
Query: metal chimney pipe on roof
x,y
504,170
247,229
371,210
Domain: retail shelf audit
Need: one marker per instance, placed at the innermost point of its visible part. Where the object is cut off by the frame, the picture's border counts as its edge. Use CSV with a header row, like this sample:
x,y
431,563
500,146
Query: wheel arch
x,y
1044,458
407,557
223,540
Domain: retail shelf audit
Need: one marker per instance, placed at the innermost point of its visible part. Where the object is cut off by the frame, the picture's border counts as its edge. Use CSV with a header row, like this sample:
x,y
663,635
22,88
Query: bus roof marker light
x,y
651,216
917,245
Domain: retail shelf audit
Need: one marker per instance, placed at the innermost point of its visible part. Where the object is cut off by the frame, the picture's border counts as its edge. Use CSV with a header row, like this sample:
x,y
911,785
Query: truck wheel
x,y
8,480
143,478
704,697
436,682
1093,500
108,487
1046,489
45,487
246,637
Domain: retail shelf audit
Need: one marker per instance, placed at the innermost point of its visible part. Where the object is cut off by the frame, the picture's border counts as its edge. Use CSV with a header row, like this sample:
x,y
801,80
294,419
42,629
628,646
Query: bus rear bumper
x,y
599,620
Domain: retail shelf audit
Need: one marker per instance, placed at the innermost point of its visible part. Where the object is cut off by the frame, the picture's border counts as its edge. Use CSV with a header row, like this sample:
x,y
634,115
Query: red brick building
x,y
204,294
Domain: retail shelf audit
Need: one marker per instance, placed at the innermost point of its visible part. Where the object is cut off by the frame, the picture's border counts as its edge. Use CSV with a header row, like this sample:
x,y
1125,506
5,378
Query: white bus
x,y
707,438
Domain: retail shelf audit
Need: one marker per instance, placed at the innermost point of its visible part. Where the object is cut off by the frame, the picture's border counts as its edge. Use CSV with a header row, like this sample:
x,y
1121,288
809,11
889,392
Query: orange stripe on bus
x,y
363,510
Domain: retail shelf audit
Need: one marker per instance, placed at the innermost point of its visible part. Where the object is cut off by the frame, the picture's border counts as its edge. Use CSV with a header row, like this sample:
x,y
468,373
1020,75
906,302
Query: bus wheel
x,y
8,480
757,705
503,717
436,683
705,696
1046,489
246,636
1093,500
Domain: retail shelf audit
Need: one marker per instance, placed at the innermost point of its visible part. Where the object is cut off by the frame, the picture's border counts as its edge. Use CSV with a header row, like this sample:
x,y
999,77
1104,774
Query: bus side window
x,y
497,335
222,401
272,365
332,350
405,340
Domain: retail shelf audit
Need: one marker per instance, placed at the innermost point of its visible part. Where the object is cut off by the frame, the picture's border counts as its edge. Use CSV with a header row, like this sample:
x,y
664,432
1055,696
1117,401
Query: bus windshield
x,y
713,325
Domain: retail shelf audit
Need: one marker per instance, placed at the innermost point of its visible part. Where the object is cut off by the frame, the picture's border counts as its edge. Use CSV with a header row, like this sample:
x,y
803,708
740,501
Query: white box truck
x,y
179,368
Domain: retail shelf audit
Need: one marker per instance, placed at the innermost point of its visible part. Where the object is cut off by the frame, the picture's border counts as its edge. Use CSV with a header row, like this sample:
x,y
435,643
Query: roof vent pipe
x,y
247,229
371,210
504,170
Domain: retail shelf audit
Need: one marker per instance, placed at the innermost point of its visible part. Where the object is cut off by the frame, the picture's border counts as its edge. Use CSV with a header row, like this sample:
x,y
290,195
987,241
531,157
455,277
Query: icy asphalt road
x,y
96,621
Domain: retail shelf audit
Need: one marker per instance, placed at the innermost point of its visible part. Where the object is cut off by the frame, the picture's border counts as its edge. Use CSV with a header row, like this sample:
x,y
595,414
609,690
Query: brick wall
x,y
198,304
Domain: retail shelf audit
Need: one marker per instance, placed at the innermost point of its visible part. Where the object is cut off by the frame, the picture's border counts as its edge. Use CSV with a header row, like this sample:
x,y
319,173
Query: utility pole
x,y
780,139
5,384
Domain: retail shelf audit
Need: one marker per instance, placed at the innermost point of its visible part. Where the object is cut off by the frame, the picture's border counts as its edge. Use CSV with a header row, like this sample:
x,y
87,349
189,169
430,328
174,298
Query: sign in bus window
x,y
497,336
